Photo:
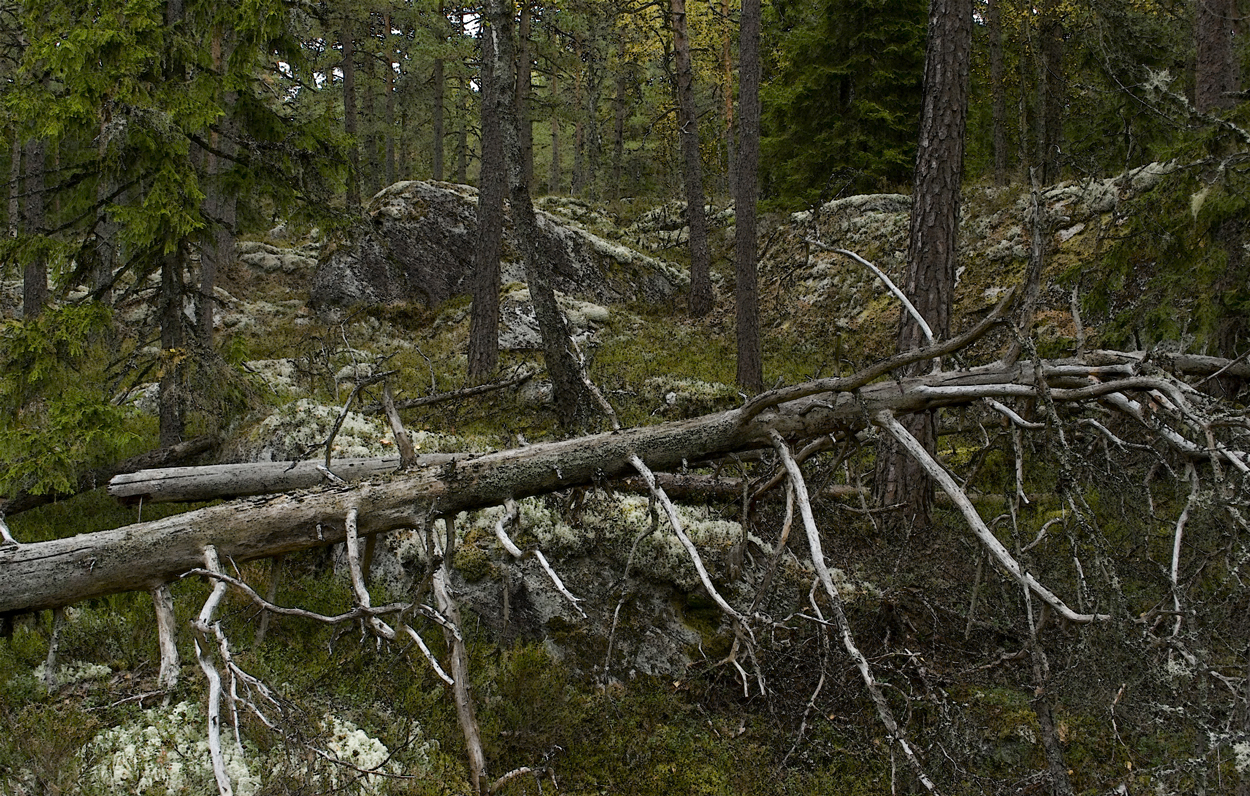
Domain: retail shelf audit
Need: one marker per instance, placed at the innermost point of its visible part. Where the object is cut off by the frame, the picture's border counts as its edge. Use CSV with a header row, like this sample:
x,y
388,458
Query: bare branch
x,y
839,613
1001,556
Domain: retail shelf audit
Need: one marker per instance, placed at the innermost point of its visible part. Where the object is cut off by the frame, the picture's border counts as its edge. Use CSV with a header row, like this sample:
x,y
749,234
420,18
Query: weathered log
x,y
141,556
216,481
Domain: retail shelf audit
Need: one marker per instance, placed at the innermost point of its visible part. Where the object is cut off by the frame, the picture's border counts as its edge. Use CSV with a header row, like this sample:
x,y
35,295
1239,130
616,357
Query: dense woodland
x,y
973,522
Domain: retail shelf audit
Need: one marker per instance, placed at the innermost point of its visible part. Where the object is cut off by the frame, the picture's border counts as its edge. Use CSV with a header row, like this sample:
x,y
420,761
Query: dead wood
x,y
141,556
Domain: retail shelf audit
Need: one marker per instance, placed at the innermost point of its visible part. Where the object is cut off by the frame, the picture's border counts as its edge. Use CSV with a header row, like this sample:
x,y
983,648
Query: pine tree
x,y
843,96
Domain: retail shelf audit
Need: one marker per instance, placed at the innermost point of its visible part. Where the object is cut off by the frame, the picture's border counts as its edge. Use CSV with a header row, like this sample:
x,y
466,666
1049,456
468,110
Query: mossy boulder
x,y
419,241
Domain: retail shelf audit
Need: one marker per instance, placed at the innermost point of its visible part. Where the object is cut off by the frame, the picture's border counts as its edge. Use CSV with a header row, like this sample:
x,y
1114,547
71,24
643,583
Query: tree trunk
x,y
438,110
574,404
746,291
138,557
1216,74
1051,89
692,166
105,228
35,268
462,136
389,133
372,163
998,91
553,184
349,118
934,225
492,187
618,127
727,97
220,205
524,85
578,187
438,119
15,185
172,408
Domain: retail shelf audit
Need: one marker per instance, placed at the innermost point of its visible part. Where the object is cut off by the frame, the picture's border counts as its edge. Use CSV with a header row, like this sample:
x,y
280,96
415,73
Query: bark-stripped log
x,y
64,571
174,484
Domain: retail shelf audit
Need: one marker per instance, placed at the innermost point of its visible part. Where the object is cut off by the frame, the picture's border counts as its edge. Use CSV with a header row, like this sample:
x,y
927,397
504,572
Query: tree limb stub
x,y
139,557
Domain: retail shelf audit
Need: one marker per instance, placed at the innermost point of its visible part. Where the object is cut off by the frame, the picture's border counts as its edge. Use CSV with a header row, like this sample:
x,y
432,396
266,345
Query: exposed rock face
x,y
419,246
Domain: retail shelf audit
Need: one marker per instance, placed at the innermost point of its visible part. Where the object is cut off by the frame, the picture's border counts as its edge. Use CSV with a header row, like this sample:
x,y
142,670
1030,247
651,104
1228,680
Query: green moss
x,y
473,563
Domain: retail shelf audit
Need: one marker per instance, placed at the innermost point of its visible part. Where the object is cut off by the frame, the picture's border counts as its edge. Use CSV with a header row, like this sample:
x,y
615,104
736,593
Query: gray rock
x,y
419,242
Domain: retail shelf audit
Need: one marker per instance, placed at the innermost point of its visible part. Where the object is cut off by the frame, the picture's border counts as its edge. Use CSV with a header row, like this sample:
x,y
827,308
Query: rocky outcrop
x,y
418,245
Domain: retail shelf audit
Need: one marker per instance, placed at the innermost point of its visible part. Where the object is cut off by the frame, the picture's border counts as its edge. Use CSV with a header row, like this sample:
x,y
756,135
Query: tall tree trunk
x,y
437,168
727,97
389,134
349,117
462,131
105,228
578,187
932,238
746,298
372,164
492,187
439,101
1216,73
998,91
1051,88
618,130
553,184
172,401
220,205
35,269
15,186
692,166
574,403
524,79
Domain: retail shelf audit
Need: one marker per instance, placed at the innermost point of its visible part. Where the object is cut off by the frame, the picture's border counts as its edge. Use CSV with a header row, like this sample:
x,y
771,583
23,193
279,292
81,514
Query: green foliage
x,y
57,416
842,97
1176,270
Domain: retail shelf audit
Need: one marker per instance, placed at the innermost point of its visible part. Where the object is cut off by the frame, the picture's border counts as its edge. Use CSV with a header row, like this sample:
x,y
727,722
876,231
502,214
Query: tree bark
x,y
998,91
1216,74
1051,89
932,237
172,409
618,126
553,184
492,187
746,191
462,134
220,205
524,85
727,95
350,122
439,103
574,404
692,165
35,268
578,186
15,185
389,88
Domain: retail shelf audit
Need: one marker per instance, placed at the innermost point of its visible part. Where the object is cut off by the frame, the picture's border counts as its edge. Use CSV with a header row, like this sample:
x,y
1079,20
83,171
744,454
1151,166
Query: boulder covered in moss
x,y
419,243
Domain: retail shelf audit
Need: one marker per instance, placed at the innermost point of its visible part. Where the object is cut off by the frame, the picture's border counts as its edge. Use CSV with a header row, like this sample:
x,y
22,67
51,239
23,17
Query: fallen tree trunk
x,y
140,557
215,481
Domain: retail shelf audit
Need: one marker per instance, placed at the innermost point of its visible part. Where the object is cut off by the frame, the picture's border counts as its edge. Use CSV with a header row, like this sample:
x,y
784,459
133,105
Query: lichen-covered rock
x,y
272,259
419,245
518,328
